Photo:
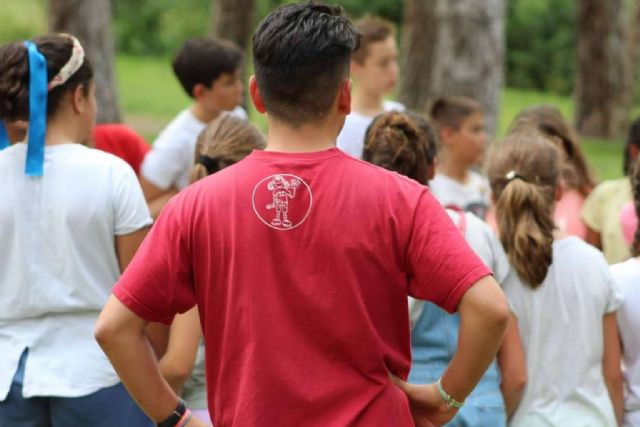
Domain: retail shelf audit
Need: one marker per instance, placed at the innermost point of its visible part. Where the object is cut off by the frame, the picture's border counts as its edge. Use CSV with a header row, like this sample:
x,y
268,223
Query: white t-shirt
x,y
560,325
172,155
351,138
473,196
484,243
627,275
58,264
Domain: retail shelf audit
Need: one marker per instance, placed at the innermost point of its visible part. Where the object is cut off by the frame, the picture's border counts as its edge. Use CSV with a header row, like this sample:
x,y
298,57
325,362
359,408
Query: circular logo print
x,y
282,201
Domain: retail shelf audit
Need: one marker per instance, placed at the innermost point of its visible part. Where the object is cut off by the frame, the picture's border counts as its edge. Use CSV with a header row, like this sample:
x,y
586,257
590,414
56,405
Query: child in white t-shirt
x,y
209,71
566,309
71,219
461,131
627,274
374,69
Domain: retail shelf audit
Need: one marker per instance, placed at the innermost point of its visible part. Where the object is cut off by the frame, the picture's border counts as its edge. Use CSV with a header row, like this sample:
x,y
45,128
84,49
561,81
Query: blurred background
x,y
578,55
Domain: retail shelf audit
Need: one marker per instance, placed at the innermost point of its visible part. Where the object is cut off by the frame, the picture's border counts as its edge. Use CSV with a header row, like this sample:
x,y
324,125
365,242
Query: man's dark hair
x,y
203,59
301,54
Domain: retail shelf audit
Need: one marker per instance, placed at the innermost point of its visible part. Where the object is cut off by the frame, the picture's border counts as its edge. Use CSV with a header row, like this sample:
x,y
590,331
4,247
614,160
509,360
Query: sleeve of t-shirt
x,y
591,213
158,283
166,161
500,265
442,266
131,212
513,289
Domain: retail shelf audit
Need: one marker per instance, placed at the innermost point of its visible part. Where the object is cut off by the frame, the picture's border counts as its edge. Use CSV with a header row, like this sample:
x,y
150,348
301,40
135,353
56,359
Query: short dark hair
x,y
301,53
203,59
372,29
14,75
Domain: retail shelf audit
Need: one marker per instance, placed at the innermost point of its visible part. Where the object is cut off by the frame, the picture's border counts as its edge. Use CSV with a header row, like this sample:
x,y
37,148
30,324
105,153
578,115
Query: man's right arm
x,y
484,315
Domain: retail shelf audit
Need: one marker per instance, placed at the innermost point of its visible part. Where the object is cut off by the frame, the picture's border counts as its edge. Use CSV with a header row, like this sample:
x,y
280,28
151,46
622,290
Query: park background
x,y
578,55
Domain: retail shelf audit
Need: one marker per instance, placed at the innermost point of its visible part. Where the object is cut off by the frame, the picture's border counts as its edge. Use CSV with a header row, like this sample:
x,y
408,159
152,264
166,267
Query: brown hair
x,y
225,141
372,29
524,172
450,111
401,142
635,185
550,122
14,75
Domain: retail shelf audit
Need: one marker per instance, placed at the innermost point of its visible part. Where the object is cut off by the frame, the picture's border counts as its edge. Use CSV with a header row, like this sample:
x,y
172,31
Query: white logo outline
x,y
281,205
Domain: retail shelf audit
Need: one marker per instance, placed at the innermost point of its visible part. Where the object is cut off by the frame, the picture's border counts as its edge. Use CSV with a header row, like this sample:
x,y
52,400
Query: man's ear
x,y
78,99
344,97
254,92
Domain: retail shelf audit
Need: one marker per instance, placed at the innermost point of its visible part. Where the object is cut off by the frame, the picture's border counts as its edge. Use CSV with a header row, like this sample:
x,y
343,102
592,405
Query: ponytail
x,y
524,173
523,212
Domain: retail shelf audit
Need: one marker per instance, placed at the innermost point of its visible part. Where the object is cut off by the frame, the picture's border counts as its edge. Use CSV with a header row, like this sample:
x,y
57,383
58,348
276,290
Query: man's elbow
x,y
105,332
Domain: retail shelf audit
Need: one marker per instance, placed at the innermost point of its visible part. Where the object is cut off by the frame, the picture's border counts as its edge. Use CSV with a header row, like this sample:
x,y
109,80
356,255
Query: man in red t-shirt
x,y
300,259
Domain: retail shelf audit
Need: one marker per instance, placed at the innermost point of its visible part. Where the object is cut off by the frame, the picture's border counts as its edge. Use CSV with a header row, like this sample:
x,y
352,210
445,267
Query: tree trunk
x,y
600,82
632,56
462,54
233,20
90,22
420,35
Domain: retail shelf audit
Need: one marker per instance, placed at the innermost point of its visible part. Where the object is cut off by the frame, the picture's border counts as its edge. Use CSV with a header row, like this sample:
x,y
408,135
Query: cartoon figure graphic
x,y
282,190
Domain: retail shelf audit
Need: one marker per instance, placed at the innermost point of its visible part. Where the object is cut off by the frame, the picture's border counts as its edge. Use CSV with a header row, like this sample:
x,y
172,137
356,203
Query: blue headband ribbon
x,y
37,112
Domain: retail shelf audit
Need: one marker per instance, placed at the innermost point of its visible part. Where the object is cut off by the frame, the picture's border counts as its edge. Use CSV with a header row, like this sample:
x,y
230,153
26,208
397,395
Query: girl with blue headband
x,y
70,220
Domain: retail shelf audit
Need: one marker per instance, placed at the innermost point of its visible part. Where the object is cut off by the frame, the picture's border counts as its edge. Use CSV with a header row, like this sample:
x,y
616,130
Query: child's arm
x,y
484,314
611,364
121,334
513,367
127,245
155,196
184,336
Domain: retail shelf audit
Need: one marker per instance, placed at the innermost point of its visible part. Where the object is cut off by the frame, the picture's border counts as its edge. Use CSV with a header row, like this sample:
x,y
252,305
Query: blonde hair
x,y
550,122
524,173
372,29
225,141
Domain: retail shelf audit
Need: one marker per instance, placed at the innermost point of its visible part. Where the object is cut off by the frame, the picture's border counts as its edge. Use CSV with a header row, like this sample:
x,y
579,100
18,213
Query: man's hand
x,y
428,408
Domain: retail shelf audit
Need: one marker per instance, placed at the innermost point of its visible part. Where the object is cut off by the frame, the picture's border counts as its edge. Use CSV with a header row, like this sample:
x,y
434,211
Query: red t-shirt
x,y
123,142
301,265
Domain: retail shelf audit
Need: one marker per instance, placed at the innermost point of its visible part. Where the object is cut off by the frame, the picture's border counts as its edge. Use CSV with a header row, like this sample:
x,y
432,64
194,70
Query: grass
x,y
150,97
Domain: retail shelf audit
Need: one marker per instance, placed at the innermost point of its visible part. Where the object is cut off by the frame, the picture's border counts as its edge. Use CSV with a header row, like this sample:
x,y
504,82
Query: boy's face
x,y
379,72
224,94
466,144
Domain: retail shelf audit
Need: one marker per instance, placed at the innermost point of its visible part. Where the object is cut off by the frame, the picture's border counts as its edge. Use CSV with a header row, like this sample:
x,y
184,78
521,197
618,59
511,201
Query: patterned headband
x,y
73,64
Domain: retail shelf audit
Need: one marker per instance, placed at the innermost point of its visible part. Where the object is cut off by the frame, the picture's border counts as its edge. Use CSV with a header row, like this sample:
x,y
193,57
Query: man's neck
x,y
202,114
366,103
305,139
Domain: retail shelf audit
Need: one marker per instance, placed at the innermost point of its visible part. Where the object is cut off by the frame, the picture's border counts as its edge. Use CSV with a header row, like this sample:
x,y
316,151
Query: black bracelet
x,y
175,417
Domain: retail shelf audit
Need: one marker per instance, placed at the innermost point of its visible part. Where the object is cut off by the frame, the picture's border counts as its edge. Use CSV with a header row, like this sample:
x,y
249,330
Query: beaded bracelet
x,y
451,402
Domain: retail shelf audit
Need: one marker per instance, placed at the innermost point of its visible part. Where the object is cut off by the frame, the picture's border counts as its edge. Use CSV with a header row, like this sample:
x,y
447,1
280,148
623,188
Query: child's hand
x,y
428,408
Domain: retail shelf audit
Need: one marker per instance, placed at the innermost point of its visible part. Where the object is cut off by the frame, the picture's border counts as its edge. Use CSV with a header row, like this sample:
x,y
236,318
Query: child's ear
x,y
633,151
78,99
198,90
355,69
254,91
446,133
344,97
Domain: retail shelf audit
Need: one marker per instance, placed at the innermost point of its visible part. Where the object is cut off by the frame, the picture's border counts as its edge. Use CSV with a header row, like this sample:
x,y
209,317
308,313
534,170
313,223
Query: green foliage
x,y
541,45
159,26
22,20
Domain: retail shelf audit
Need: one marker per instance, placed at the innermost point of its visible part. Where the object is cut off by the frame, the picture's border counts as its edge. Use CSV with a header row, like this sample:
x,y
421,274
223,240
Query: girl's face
x,y
466,144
